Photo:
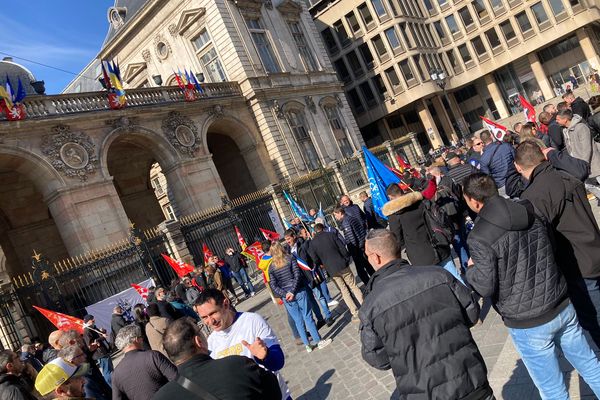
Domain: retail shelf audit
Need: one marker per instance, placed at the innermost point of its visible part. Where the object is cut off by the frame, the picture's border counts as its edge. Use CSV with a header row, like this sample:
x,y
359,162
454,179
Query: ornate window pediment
x,y
290,10
133,70
252,7
188,18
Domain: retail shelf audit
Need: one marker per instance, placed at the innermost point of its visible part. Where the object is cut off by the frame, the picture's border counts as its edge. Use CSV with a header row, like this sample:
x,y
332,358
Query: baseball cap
x,y
88,318
451,155
57,372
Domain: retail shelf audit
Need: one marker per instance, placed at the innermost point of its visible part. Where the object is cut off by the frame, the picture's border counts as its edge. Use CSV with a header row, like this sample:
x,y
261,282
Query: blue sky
x,y
62,33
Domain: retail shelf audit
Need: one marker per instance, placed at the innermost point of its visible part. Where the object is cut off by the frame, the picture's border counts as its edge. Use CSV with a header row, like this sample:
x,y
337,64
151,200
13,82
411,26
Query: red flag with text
x,y
62,321
254,251
528,110
141,290
269,235
241,240
498,131
180,268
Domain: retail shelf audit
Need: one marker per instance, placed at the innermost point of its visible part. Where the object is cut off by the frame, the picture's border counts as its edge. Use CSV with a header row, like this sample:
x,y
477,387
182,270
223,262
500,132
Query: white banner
x,y
102,310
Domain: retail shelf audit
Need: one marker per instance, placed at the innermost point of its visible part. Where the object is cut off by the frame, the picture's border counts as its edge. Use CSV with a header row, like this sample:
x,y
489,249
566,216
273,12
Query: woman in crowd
x,y
155,328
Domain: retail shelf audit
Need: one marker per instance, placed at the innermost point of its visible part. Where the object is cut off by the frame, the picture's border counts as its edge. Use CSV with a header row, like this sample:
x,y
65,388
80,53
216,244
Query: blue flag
x,y
321,215
296,208
380,177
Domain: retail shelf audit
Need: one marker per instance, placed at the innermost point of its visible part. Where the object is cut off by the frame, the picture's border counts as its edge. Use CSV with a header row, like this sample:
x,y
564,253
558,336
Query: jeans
x,y
325,291
585,296
317,294
241,277
313,305
301,314
449,266
538,349
106,367
459,242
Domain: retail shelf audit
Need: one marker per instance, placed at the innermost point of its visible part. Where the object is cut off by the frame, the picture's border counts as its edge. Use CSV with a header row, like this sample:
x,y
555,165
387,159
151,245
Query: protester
x,y
117,322
240,333
288,283
140,374
578,140
424,312
457,170
156,327
52,352
165,309
510,248
191,291
516,128
179,306
229,378
101,350
594,120
215,280
562,201
323,290
141,319
226,275
12,372
497,160
352,209
475,150
577,105
237,265
354,231
63,378
374,221
28,357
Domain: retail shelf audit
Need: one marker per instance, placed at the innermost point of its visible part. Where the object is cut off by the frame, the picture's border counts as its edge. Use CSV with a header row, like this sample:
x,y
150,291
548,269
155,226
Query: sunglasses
x,y
477,144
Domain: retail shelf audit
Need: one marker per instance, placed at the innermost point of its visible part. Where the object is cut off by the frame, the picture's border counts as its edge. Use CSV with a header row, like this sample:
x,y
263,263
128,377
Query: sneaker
x,y
252,294
333,303
310,348
321,323
330,321
324,343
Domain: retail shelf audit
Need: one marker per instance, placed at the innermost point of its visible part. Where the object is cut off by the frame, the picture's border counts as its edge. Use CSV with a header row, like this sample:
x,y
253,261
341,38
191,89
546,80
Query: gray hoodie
x,y
579,143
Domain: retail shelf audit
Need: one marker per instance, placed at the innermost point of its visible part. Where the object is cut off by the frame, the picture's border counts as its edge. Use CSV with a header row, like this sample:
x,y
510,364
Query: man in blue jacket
x,y
497,161
355,232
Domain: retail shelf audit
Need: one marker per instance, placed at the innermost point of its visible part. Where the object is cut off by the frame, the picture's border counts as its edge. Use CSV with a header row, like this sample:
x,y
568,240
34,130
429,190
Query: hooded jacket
x,y
514,264
581,108
579,144
416,322
562,201
407,221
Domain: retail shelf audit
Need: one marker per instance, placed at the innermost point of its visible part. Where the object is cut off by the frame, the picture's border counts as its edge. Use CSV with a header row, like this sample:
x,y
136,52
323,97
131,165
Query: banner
x,y
102,310
379,177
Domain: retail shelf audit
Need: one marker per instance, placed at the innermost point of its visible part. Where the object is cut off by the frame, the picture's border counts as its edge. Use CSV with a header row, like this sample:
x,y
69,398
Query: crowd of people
x,y
516,215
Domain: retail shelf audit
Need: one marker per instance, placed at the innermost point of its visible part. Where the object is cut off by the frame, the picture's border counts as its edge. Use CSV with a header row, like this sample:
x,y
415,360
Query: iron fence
x,y
352,173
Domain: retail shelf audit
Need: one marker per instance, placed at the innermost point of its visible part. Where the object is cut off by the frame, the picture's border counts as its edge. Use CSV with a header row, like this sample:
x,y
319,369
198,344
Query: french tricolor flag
x,y
303,264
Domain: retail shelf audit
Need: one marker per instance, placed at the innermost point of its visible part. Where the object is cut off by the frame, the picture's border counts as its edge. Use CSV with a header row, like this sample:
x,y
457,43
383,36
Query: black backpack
x,y
439,225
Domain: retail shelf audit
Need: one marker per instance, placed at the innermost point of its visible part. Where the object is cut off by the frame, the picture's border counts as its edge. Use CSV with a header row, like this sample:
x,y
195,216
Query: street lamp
x,y
441,79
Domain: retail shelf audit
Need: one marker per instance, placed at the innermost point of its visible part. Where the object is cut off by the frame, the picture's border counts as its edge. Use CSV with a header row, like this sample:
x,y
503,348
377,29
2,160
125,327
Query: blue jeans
x,y
325,290
449,266
313,306
538,349
241,277
106,367
317,294
585,296
459,242
300,312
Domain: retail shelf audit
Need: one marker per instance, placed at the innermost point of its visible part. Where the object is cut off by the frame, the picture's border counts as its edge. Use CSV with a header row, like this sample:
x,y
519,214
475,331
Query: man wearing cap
x,y
99,347
12,384
62,378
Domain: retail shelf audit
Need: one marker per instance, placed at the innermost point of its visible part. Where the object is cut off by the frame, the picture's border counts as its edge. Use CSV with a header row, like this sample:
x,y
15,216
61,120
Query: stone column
x,y
338,175
589,51
89,217
540,76
392,153
445,119
428,123
460,120
494,90
416,145
172,231
278,201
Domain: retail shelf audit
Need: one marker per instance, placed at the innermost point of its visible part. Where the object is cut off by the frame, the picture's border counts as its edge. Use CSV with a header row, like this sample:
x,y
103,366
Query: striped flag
x,y
528,109
303,264
498,131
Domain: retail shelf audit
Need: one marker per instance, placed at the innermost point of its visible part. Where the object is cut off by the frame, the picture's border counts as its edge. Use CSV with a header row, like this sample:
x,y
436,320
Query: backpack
x,y
439,225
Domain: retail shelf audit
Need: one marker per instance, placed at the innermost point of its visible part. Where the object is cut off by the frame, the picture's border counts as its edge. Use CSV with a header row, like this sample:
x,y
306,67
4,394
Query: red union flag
x,y
528,109
206,252
241,240
270,235
180,268
254,251
62,321
498,131
141,290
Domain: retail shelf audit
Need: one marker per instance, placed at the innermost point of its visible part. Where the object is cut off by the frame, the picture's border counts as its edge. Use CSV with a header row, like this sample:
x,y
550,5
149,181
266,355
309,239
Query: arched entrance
x,y
236,157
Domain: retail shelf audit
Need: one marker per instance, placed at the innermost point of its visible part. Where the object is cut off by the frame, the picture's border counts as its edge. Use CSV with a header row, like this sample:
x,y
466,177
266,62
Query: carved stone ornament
x,y
71,153
277,108
172,29
217,111
162,48
310,104
339,101
146,55
182,133
124,124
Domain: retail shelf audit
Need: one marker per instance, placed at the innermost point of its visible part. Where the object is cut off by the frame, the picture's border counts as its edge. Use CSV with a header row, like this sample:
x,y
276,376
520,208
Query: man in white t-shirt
x,y
240,333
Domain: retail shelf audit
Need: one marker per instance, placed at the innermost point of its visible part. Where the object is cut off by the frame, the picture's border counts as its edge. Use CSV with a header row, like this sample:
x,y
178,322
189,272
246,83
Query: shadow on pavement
x,y
321,389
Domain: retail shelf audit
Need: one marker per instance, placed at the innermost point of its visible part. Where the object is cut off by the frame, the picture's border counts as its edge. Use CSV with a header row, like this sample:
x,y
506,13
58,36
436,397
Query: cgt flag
x,y
254,251
528,110
62,321
379,177
240,238
141,290
269,235
180,268
498,131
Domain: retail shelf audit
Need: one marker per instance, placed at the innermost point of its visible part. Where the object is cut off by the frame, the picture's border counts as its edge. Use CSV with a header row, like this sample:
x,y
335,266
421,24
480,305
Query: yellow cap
x,y
57,372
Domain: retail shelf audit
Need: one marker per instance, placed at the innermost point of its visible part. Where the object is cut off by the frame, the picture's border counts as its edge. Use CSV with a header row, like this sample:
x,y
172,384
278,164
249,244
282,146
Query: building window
x,y
353,22
465,15
355,66
409,41
464,53
393,40
556,50
480,9
557,6
419,62
169,213
465,93
428,5
478,46
330,42
493,38
574,3
406,70
496,4
393,8
452,59
452,25
523,22
539,13
341,33
379,46
158,188
305,54
366,55
439,29
380,88
300,132
367,93
355,102
365,14
507,30
342,70
379,9
206,52
393,79
442,2
415,35
339,132
263,46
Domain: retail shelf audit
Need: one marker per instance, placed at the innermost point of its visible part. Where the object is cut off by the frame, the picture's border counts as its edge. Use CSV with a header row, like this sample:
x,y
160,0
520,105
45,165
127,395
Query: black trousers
x,y
363,268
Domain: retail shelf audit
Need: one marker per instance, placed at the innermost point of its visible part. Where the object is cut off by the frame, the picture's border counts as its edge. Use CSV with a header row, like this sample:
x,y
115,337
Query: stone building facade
x,y
490,51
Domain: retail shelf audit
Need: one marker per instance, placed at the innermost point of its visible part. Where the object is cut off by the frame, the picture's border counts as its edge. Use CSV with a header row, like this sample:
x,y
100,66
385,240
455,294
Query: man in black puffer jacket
x,y
513,263
416,320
